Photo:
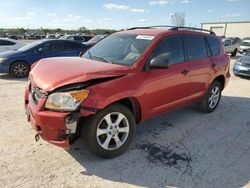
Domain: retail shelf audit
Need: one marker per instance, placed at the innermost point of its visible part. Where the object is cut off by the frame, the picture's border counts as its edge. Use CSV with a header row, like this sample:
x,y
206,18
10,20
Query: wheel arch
x,y
221,79
133,105
15,61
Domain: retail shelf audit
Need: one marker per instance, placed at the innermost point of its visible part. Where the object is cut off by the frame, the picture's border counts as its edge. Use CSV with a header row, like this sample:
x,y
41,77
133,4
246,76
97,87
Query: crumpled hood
x,y
51,73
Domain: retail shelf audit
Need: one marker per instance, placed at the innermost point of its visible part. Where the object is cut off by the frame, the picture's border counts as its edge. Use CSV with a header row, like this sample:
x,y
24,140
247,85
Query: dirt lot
x,y
185,148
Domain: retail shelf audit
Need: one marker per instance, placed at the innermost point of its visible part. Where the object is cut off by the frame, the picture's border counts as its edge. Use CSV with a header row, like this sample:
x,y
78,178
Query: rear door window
x,y
51,46
214,45
71,46
79,38
196,47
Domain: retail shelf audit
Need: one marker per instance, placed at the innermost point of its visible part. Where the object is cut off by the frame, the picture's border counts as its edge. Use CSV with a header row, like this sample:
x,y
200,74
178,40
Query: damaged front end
x,y
56,115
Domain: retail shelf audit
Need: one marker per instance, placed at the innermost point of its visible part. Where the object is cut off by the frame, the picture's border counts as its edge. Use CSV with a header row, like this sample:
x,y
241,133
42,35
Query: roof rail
x,y
174,28
132,28
151,27
192,29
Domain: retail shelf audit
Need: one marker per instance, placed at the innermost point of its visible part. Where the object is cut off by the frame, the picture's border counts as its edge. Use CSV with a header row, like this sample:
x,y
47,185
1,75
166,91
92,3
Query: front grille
x,y
244,72
36,93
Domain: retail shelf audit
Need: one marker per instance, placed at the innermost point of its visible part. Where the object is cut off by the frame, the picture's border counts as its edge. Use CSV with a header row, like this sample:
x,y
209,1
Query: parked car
x,y
232,45
94,40
77,38
126,78
242,66
50,36
246,38
33,36
245,46
10,44
18,63
14,37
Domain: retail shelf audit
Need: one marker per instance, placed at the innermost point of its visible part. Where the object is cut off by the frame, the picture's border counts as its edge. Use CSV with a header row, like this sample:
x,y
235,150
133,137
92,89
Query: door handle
x,y
185,72
213,65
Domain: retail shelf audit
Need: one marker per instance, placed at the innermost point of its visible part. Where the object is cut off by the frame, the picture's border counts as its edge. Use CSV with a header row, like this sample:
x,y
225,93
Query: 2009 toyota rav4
x,y
123,80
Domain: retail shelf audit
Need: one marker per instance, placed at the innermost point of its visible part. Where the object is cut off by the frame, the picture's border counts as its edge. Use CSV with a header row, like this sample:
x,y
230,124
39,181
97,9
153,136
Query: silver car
x,y
242,66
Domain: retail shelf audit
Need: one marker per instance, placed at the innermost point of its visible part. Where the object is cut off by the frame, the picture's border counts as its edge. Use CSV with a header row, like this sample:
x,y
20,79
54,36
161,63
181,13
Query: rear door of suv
x,y
201,64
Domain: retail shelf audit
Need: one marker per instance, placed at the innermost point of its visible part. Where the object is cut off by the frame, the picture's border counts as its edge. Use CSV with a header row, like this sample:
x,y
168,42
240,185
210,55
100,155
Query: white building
x,y
229,29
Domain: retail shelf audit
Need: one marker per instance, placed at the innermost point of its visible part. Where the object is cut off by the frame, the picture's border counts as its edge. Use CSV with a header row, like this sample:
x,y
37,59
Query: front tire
x,y
110,132
19,69
212,98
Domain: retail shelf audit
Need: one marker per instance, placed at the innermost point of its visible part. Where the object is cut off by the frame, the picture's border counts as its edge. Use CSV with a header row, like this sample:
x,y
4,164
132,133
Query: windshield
x,y
29,46
120,49
245,43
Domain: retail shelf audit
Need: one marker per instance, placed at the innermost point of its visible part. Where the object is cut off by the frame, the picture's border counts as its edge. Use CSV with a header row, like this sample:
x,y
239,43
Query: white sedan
x,y
245,46
9,44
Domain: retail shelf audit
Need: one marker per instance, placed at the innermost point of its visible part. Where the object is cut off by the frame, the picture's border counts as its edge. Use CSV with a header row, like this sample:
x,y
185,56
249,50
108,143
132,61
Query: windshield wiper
x,y
102,59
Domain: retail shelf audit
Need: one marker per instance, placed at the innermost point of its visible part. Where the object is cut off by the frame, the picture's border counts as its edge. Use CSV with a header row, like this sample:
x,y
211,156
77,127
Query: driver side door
x,y
166,88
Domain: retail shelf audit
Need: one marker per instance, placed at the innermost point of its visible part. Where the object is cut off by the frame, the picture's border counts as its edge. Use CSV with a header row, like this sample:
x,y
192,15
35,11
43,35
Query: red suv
x,y
125,79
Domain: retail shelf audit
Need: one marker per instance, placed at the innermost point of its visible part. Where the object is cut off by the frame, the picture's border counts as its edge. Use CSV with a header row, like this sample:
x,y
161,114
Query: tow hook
x,y
37,137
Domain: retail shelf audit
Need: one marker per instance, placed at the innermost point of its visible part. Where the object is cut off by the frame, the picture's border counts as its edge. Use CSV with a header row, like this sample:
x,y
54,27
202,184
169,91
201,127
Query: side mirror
x,y
160,62
40,50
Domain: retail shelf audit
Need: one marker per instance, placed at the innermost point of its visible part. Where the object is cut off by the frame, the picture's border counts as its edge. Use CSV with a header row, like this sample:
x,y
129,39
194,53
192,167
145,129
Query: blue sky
x,y
117,14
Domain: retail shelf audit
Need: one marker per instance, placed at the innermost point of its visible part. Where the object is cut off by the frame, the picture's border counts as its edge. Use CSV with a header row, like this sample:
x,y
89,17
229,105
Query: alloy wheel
x,y
20,70
214,97
112,131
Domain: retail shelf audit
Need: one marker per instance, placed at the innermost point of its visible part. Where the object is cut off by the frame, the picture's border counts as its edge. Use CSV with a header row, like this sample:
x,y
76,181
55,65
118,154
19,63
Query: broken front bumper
x,y
54,127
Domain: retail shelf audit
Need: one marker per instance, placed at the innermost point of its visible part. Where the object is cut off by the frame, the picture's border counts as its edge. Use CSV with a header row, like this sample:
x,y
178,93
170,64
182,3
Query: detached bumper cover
x,y
51,126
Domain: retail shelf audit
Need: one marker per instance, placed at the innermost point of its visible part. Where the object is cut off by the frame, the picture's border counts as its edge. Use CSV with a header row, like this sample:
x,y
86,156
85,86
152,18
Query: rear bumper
x,y
241,70
51,126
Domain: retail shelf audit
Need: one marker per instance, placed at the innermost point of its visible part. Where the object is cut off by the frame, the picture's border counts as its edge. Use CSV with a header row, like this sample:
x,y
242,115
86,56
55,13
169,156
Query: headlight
x,y
66,101
3,59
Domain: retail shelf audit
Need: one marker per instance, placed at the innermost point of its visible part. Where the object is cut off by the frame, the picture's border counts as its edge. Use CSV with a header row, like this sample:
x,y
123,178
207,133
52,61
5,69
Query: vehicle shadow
x,y
245,77
186,148
236,57
8,77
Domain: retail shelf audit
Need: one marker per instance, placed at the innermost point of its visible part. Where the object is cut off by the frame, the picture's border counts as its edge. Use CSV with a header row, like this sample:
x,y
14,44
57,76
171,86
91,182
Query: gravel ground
x,y
185,148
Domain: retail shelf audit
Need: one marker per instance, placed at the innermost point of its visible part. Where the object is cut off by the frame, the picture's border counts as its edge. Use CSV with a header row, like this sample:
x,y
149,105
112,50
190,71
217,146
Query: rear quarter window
x,y
214,45
196,47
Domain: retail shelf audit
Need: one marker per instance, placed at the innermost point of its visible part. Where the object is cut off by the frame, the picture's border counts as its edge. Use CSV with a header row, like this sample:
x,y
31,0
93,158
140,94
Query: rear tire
x,y
212,98
234,52
19,69
109,132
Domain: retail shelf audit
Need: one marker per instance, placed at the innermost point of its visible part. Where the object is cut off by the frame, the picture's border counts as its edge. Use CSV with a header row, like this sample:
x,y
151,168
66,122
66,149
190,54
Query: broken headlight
x,y
66,101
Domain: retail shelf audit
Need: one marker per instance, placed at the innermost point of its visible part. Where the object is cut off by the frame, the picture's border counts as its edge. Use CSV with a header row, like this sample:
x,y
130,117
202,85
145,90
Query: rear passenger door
x,y
71,48
200,63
